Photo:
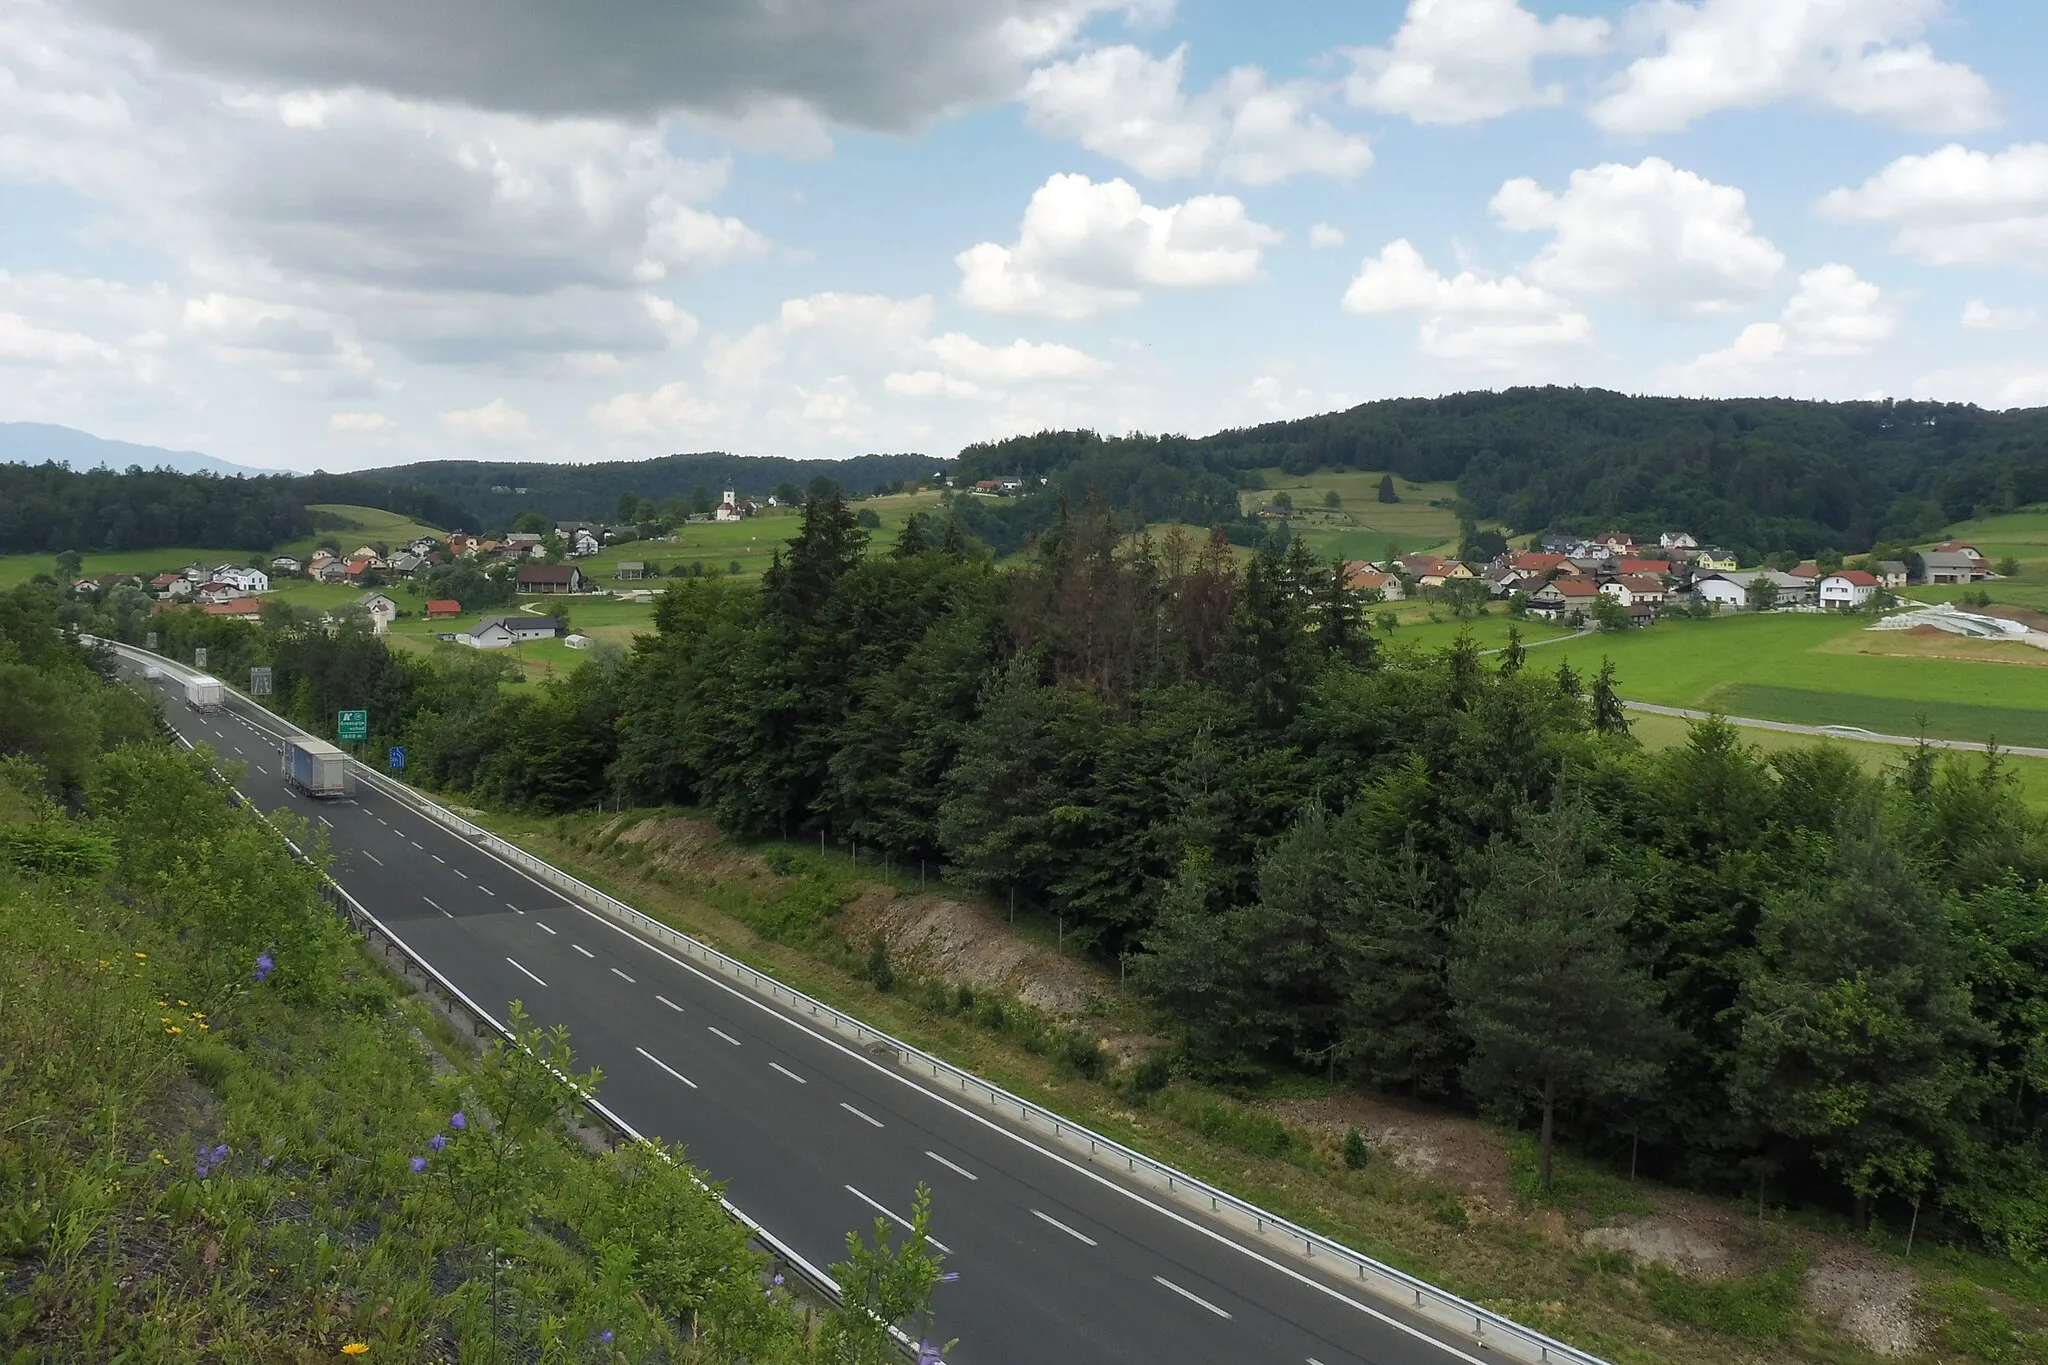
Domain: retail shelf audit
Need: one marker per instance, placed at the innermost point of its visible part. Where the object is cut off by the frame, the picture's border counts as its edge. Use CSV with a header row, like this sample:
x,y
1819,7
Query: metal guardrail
x,y
1445,1310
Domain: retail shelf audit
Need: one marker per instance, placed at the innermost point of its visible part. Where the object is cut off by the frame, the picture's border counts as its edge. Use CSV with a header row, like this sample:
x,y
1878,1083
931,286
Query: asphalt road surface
x,y
1058,1262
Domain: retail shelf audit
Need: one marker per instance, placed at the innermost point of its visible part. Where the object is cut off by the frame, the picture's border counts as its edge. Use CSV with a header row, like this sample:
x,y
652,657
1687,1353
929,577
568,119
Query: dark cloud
x,y
889,65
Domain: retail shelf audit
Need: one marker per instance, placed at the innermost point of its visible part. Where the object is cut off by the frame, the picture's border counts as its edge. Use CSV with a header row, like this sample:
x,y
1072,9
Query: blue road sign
x,y
397,758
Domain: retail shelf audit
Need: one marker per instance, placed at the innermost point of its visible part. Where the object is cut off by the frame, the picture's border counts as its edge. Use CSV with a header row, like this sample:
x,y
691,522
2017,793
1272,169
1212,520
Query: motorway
x,y
1058,1261
1847,732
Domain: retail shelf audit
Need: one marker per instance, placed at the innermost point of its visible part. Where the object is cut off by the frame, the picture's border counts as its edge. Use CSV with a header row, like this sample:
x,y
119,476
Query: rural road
x,y
1835,731
1059,1260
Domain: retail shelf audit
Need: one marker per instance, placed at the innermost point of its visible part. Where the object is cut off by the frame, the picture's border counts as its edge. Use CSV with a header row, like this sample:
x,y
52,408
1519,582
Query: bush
x,y
1151,1075
877,969
1237,1125
1758,1308
1356,1153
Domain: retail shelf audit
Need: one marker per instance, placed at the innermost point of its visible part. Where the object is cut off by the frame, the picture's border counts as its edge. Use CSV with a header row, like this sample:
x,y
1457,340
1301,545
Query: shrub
x,y
1356,1153
1758,1308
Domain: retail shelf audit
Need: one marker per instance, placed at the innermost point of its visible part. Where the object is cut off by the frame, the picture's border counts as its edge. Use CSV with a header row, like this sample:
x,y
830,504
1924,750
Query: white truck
x,y
313,767
204,694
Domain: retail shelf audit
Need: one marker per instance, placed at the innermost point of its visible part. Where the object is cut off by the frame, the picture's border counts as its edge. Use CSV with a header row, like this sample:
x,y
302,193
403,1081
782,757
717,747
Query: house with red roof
x,y
1847,589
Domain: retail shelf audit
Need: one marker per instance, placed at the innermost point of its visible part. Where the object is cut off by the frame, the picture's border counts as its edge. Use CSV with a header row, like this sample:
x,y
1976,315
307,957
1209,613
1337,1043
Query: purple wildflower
x,y
605,1336
438,1141
200,1170
777,1281
220,1153
928,1354
419,1165
266,1163
265,965
459,1121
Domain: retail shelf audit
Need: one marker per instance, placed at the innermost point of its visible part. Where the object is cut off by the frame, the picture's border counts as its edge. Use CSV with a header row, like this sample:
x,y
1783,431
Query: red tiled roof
x,y
1856,576
241,606
1655,566
444,606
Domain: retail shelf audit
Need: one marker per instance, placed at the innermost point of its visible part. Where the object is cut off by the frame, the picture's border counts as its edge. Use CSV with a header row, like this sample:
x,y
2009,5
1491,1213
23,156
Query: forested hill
x,y
495,493
1758,474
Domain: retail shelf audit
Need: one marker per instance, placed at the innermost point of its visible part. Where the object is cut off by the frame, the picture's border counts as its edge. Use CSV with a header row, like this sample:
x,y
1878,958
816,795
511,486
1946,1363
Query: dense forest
x,y
498,492
1758,475
48,508
1441,875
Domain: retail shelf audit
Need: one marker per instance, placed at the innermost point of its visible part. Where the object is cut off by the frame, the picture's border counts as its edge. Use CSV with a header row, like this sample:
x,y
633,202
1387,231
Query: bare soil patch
x,y
966,943
1460,1153
1870,1300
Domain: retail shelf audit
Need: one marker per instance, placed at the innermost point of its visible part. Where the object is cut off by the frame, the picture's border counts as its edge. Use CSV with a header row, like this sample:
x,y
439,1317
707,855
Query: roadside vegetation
x,y
226,1134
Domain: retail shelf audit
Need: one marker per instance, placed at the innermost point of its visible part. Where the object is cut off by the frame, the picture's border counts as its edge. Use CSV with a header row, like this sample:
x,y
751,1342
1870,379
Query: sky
x,y
303,235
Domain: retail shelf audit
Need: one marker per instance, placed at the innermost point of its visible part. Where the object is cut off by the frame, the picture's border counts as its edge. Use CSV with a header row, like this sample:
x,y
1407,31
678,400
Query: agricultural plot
x,y
1361,526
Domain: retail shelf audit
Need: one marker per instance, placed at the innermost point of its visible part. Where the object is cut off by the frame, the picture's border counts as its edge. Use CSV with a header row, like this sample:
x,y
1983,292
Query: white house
x,y
1726,591
1634,589
729,509
242,578
382,611
287,565
502,632
1847,589
1676,540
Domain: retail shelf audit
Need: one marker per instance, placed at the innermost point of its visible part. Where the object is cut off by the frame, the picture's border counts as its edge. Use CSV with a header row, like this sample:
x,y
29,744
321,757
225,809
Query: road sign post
x,y
352,725
149,640
398,758
199,657
259,681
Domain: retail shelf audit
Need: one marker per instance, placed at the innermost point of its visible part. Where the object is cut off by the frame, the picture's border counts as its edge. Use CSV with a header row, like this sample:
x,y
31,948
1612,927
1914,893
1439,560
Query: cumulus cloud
x,y
891,65
1957,206
1323,235
1470,320
496,420
2007,384
1856,56
1086,248
1651,232
674,406
929,384
1465,61
1129,105
361,424
1833,313
1979,316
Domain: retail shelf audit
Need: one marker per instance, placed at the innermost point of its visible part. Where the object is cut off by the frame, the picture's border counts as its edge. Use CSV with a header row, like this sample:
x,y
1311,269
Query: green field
x,y
1363,527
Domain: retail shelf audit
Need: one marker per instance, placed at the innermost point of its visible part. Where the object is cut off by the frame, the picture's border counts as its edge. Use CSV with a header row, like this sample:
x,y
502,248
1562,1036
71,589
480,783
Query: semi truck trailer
x,y
204,694
313,767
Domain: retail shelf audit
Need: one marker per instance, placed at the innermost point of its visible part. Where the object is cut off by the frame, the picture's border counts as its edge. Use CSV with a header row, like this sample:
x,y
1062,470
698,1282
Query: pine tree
x,y
1396,1030
1554,1005
1387,493
1609,716
1513,656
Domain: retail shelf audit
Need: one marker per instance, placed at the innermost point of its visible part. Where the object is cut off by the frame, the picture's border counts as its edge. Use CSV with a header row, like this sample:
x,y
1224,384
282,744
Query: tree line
x,y
1447,874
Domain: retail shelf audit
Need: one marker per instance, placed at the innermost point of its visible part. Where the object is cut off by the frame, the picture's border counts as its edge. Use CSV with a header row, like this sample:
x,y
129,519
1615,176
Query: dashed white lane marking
x,y
437,858
460,873
378,818
666,1067
623,977
266,772
415,843
371,856
529,975
513,908
727,1036
487,891
583,950
1192,1298
894,1219
1077,1236
787,1072
322,819
670,1003
543,924
857,1114
956,1170
430,901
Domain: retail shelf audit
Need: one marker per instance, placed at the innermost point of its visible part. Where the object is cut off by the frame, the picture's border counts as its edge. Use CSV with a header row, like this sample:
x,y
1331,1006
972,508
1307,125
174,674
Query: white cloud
x,y
1956,206
24,343
2008,384
1852,55
1129,105
672,407
1832,314
1085,248
929,384
1651,232
1979,316
1321,235
1465,61
1019,362
1492,324
361,424
496,420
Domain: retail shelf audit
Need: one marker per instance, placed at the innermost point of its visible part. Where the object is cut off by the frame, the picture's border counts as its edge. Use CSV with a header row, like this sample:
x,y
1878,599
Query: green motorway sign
x,y
352,724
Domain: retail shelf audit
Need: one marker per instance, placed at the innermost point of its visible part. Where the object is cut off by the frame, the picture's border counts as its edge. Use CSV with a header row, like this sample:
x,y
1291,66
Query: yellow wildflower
x,y
356,1348
173,1028
143,956
183,1005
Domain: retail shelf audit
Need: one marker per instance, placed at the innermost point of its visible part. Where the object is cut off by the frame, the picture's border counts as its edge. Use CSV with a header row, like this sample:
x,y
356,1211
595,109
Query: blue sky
x,y
515,229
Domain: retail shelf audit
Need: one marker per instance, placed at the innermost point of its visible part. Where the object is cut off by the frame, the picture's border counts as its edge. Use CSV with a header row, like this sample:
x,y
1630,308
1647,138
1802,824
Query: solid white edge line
x,y
666,1067
1191,1297
1077,1236
894,1219
771,1010
957,1170
585,951
529,975
1250,1253
857,1114
723,1034
787,1072
623,977
670,1003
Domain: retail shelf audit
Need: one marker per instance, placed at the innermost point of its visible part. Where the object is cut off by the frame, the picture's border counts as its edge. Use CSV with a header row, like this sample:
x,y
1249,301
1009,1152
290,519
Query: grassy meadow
x,y
1361,527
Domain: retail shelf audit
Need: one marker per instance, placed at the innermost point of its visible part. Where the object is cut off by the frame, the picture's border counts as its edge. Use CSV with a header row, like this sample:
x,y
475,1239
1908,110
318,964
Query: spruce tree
x,y
1555,1006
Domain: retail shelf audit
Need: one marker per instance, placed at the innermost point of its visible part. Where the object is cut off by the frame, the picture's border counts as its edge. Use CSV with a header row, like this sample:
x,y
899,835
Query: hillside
x,y
1753,474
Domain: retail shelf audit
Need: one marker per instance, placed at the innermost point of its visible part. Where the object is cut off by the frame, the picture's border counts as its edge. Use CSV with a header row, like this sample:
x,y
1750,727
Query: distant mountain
x,y
40,443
